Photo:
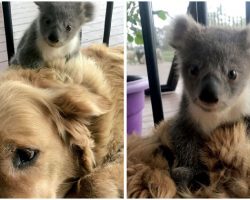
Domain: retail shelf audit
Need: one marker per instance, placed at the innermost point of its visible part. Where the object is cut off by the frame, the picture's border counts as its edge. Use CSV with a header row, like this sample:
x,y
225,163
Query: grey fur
x,y
215,51
53,19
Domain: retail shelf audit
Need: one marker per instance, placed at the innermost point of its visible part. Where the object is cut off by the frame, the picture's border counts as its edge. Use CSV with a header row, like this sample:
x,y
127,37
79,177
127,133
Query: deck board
x,y
23,13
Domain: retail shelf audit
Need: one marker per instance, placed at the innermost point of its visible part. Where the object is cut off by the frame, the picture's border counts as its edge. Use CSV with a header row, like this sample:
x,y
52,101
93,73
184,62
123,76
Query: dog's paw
x,y
145,182
160,185
229,147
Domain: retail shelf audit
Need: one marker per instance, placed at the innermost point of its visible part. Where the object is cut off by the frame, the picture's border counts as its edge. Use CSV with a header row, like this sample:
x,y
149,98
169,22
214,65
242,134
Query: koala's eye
x,y
194,70
47,21
68,28
24,157
232,74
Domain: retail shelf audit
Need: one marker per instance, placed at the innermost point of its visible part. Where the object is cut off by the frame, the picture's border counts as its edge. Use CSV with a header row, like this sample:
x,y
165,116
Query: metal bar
x,y
247,12
173,77
8,29
107,24
151,59
172,80
198,10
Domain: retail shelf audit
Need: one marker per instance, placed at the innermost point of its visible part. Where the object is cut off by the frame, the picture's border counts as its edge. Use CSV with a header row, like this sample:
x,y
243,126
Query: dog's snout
x,y
209,90
53,37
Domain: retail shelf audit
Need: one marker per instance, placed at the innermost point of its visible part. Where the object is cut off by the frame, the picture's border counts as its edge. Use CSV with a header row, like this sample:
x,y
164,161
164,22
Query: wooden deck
x,y
23,14
170,100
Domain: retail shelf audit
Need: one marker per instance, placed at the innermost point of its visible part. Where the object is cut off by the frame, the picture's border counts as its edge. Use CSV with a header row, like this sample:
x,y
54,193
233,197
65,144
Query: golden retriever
x,y
226,154
61,128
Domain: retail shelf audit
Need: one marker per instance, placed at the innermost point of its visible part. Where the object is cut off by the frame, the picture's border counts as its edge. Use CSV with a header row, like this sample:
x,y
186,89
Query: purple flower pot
x,y
135,103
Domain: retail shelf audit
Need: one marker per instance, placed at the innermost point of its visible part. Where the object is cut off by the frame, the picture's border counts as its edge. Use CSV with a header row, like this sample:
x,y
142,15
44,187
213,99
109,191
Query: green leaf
x,y
137,18
138,38
161,14
130,38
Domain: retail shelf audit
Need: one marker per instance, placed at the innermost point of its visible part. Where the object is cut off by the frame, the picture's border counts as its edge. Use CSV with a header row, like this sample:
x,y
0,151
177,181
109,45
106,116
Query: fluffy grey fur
x,y
215,66
55,33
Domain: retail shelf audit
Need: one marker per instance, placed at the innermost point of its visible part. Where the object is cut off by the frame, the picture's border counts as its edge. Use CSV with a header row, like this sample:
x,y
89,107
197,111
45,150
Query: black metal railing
x,y
148,33
108,20
8,29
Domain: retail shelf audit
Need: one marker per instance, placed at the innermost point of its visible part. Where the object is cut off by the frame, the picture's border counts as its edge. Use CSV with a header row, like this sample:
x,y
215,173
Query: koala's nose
x,y
208,95
209,91
53,37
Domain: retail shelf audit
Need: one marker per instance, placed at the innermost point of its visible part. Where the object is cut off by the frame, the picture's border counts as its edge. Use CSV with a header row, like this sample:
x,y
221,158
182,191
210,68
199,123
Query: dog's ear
x,y
76,101
74,109
87,11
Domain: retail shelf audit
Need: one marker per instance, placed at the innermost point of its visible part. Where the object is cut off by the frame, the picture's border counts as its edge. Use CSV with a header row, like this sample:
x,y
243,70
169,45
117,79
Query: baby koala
x,y
215,66
55,33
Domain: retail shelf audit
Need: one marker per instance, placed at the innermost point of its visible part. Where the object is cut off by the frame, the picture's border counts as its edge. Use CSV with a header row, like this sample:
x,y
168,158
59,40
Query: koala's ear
x,y
244,38
88,10
181,27
42,5
38,3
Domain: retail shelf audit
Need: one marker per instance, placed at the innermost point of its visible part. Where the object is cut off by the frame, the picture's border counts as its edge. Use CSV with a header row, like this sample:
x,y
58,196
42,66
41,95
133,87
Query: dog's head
x,y
45,143
59,22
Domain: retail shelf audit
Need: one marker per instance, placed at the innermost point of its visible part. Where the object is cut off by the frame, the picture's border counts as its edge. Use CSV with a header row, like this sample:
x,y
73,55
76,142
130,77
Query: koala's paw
x,y
185,177
182,176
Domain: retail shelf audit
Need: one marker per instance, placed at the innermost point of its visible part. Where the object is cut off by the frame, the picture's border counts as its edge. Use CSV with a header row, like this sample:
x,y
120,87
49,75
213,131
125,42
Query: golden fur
x,y
73,114
226,154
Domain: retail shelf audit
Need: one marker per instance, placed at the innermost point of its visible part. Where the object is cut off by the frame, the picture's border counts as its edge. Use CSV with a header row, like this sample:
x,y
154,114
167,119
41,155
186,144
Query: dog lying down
x,y
226,154
61,128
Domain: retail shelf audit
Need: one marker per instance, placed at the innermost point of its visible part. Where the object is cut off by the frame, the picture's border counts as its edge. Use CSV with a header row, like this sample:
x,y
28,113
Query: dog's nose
x,y
53,37
209,91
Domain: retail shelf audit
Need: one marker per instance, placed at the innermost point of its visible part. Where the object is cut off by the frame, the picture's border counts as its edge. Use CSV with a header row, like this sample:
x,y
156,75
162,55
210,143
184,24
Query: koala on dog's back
x,y
214,64
53,34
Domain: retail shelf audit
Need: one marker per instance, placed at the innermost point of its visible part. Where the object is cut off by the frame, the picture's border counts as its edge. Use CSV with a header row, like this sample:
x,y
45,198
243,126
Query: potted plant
x,y
135,102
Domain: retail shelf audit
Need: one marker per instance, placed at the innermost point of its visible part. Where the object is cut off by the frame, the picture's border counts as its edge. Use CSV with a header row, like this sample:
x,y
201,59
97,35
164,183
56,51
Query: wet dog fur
x,y
225,154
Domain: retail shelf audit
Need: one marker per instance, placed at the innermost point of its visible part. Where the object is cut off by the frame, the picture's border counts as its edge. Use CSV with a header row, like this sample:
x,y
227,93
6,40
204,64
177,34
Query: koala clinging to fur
x,y
215,66
54,34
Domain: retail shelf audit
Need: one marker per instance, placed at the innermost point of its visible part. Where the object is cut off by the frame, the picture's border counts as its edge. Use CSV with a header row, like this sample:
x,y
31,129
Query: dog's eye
x,y
232,74
24,157
194,70
68,28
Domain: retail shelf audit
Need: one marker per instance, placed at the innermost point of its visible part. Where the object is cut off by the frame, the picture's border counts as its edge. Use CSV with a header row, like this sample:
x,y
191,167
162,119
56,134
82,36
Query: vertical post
x,y
198,10
107,24
173,76
247,12
151,59
8,29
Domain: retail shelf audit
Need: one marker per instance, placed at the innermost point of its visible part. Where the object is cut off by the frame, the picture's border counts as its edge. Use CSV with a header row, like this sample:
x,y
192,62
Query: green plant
x,y
134,22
